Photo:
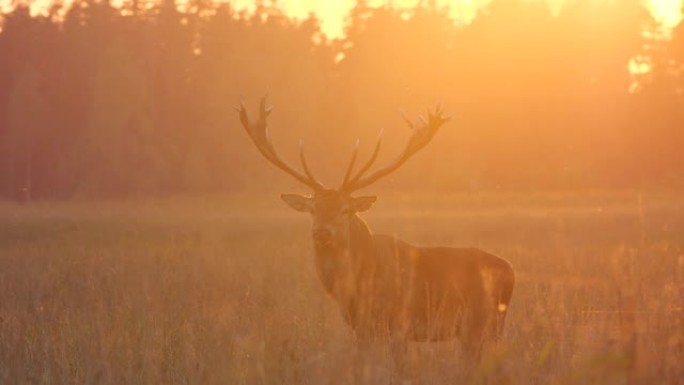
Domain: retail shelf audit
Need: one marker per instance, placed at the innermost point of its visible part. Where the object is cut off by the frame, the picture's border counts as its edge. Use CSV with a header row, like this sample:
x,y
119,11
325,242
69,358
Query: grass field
x,y
211,291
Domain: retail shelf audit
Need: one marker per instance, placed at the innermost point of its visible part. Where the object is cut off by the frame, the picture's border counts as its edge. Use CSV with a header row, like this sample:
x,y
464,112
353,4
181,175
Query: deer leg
x,y
475,326
361,359
404,370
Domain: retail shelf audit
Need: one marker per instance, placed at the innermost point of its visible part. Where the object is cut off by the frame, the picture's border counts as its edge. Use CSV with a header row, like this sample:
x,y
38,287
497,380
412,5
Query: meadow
x,y
224,291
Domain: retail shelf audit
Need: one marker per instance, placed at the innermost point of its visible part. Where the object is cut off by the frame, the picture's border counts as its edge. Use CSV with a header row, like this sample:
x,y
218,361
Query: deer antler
x,y
259,134
423,131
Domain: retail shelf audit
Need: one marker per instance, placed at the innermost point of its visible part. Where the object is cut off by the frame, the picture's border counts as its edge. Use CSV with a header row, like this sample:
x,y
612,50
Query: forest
x,y
98,101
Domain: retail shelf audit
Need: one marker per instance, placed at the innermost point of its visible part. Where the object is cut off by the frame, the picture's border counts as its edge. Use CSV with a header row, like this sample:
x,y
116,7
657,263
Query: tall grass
x,y
225,292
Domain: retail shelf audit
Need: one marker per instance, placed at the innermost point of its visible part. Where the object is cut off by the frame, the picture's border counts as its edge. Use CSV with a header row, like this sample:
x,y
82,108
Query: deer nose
x,y
322,235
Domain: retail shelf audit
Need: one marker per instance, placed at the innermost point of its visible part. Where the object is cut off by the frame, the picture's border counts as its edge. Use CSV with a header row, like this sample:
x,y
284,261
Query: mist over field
x,y
142,235
226,292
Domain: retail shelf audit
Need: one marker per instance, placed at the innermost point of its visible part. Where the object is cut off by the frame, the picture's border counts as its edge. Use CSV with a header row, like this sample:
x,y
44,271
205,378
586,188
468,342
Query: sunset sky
x,y
333,13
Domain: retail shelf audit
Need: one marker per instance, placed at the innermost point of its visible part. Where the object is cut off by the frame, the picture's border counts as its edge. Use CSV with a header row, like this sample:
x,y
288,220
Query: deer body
x,y
387,288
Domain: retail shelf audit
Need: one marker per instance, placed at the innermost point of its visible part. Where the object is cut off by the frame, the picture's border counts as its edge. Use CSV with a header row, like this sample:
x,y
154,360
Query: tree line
x,y
100,101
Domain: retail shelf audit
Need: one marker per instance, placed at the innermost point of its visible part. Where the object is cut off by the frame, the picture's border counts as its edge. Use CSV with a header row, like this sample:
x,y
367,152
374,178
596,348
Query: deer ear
x,y
298,202
361,204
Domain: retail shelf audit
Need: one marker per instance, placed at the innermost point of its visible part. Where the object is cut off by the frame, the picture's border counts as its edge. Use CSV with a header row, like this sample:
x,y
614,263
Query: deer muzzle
x,y
322,236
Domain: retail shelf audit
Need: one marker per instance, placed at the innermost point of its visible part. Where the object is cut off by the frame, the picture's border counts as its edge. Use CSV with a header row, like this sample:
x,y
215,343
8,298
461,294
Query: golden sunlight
x,y
333,14
667,13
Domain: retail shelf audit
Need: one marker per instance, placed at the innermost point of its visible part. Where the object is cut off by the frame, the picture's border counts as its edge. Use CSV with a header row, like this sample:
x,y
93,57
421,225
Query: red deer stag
x,y
386,287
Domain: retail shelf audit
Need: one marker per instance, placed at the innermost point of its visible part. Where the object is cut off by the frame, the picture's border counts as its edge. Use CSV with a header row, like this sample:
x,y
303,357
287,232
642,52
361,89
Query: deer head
x,y
333,209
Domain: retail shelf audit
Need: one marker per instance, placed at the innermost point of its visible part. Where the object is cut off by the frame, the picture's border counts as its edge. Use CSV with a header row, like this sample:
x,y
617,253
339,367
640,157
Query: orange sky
x,y
332,13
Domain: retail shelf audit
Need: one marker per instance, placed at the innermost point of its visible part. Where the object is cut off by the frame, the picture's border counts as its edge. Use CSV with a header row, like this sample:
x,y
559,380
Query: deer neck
x,y
342,268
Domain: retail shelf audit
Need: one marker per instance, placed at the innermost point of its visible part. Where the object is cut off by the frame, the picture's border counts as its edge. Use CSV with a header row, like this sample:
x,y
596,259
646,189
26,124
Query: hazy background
x,y
178,264
135,100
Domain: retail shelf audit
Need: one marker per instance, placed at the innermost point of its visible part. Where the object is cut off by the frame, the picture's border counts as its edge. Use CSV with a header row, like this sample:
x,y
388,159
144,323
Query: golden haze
x,y
668,13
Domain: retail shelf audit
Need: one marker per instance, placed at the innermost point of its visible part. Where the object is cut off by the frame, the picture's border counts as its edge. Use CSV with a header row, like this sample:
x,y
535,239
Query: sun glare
x,y
668,13
333,14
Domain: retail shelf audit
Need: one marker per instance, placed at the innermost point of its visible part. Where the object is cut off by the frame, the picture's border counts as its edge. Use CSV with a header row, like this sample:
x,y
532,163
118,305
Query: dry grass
x,y
225,292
